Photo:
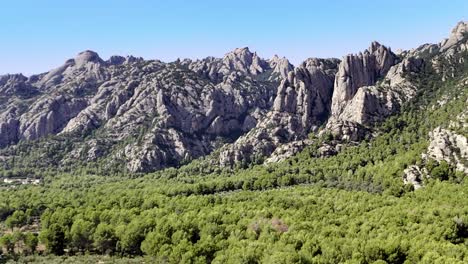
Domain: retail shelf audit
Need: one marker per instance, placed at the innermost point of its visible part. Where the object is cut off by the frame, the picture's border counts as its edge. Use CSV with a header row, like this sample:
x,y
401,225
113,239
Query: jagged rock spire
x,y
360,70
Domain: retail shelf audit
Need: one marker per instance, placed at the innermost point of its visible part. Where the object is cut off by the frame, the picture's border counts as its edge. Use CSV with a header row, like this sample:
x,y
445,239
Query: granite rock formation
x,y
148,114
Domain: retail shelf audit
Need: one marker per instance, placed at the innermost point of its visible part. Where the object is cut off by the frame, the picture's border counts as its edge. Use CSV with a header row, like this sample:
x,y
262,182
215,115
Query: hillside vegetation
x,y
351,207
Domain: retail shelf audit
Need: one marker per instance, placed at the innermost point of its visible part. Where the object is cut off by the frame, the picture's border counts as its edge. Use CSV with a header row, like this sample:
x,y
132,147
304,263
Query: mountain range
x,y
141,115
239,159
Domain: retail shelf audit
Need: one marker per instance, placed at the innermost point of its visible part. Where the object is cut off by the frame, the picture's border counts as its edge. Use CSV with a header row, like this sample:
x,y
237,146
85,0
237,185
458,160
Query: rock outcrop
x,y
458,34
413,175
356,101
244,61
16,85
449,146
9,126
241,61
302,103
356,71
281,66
49,116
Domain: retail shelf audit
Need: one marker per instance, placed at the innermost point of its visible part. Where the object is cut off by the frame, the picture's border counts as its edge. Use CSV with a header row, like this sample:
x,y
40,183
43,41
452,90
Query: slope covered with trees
x,y
351,207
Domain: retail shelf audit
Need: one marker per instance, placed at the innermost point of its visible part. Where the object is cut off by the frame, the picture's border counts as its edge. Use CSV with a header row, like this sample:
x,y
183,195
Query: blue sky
x,y
39,35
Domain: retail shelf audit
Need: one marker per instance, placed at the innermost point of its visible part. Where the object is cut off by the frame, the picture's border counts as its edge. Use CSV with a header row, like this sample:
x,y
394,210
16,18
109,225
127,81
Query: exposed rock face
x,y
307,91
355,99
16,85
49,116
86,68
444,56
244,61
373,85
49,100
458,34
168,112
356,71
280,66
287,150
413,175
9,126
449,146
302,103
116,60
86,57
346,130
149,114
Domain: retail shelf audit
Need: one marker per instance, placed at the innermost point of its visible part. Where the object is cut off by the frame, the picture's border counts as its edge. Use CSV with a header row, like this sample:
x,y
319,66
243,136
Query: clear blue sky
x,y
39,35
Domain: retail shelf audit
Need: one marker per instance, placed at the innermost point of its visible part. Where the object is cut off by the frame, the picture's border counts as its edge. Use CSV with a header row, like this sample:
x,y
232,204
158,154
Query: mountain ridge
x,y
148,115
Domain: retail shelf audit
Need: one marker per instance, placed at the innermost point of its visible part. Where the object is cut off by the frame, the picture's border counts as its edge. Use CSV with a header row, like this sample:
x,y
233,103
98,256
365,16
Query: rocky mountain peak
x,y
384,57
243,60
275,58
375,46
242,55
4,79
116,60
280,66
241,52
460,29
307,90
314,64
458,33
355,99
15,84
87,56
360,70
86,66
